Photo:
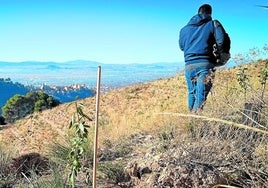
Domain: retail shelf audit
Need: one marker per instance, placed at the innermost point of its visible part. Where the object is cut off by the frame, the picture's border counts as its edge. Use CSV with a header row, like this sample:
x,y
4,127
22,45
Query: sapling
x,y
263,79
78,123
243,80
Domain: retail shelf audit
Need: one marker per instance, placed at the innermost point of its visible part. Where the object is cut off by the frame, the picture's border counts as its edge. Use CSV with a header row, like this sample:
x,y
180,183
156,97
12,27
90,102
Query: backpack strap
x,y
215,25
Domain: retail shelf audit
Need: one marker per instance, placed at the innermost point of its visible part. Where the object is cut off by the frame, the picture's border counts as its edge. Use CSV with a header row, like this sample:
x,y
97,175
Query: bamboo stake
x,y
96,129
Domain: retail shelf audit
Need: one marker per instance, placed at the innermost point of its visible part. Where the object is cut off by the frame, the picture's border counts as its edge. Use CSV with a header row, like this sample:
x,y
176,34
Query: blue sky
x,y
118,31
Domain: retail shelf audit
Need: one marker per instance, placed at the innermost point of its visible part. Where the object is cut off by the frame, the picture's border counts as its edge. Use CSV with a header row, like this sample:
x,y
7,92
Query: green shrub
x,y
19,106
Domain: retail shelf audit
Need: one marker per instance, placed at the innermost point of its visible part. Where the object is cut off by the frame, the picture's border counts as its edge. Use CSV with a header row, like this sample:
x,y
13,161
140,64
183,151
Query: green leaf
x,y
87,126
81,150
72,122
75,163
71,178
81,127
86,116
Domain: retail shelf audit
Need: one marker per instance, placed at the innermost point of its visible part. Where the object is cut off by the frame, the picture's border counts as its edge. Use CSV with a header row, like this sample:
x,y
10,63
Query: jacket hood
x,y
199,19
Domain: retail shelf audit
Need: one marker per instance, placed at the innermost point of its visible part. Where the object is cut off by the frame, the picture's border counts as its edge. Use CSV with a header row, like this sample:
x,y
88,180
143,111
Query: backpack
x,y
221,55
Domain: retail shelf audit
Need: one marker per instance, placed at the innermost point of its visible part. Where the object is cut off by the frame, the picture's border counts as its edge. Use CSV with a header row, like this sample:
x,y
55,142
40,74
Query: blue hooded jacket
x,y
197,38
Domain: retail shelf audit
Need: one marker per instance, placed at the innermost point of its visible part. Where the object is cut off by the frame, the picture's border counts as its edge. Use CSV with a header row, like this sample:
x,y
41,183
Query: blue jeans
x,y
199,78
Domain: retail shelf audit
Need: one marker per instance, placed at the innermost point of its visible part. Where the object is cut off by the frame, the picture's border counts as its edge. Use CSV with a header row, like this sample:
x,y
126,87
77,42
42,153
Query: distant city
x,y
67,93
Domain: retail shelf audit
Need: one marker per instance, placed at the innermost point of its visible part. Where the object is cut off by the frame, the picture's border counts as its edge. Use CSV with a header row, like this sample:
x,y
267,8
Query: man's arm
x,y
180,41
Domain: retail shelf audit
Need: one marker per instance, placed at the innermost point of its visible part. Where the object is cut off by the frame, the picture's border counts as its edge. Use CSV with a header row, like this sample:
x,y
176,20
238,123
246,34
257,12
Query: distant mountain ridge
x,y
47,62
84,72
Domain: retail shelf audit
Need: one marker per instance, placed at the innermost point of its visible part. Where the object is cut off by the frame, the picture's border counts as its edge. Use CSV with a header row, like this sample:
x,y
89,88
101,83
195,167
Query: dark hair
x,y
205,9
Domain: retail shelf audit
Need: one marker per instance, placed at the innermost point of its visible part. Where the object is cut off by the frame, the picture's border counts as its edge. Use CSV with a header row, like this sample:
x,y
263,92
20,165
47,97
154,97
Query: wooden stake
x,y
96,129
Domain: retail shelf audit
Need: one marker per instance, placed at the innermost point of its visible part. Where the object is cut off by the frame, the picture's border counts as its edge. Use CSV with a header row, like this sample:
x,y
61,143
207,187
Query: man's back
x,y
196,39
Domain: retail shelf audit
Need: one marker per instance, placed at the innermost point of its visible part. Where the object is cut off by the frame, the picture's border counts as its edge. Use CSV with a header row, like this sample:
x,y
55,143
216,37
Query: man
x,y
196,40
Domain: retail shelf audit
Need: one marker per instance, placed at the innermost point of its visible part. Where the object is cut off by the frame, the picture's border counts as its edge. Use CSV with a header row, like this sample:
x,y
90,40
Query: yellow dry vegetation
x,y
130,110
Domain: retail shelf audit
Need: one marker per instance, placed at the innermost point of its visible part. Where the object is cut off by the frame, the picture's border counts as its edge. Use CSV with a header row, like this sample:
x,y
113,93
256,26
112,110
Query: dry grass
x,y
139,109
131,110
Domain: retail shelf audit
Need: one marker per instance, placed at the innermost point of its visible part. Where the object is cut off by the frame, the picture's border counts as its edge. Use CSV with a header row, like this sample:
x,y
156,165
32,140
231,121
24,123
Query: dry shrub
x,y
25,165
236,153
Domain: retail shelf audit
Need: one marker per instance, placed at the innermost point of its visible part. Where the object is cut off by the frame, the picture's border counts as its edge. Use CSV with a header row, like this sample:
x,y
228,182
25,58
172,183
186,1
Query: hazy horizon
x,y
68,73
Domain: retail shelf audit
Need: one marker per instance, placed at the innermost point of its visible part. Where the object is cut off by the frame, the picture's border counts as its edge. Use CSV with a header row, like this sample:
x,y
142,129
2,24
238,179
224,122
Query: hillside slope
x,y
125,111
122,112
147,115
